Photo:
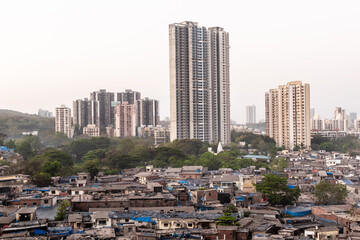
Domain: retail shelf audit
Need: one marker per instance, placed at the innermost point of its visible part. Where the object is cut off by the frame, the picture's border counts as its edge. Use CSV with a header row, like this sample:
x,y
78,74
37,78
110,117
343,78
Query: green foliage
x,y
111,172
166,156
278,164
327,146
10,144
209,160
53,162
326,193
123,161
56,139
347,144
61,210
25,149
230,208
51,167
2,138
41,179
83,146
227,220
264,144
13,124
95,154
189,146
274,188
93,167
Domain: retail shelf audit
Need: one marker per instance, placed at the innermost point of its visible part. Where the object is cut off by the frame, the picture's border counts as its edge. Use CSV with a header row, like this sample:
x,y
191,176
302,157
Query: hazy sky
x,y
52,52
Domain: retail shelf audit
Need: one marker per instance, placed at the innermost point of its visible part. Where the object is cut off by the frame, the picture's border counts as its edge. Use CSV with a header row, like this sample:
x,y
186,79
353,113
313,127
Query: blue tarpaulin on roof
x,y
291,186
186,183
143,219
347,182
298,211
241,198
39,232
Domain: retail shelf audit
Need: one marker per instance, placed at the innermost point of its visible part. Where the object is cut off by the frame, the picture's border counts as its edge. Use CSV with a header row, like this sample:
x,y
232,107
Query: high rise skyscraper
x,y
63,120
199,83
287,111
125,120
312,113
251,114
149,112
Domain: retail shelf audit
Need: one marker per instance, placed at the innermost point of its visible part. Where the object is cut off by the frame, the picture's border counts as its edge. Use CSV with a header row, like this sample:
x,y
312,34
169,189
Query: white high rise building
x,y
288,115
251,114
63,120
199,83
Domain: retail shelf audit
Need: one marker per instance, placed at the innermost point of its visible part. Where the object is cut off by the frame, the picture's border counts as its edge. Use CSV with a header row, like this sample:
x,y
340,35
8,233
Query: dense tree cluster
x,y
348,144
274,188
112,155
326,193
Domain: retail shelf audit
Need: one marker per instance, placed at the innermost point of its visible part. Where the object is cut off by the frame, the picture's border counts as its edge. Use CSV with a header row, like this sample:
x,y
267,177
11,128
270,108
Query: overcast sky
x,y
52,52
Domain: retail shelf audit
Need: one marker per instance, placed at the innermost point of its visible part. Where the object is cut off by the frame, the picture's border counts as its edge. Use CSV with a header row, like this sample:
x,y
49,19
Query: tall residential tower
x,y
251,114
63,120
287,111
199,83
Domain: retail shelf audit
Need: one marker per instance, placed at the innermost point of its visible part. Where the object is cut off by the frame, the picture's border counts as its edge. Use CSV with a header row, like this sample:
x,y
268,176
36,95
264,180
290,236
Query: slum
x,y
174,203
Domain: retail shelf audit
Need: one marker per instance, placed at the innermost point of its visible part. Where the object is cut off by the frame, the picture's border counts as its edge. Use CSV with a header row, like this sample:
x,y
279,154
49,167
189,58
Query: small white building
x,y
91,130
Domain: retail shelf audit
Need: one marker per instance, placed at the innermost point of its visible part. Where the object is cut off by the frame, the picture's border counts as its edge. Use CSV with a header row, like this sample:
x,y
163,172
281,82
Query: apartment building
x,y
199,83
63,120
125,120
288,115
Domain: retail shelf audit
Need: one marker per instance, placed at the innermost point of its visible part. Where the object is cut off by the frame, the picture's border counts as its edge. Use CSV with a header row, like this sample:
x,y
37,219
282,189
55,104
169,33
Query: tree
x,y
2,138
53,168
327,146
209,160
56,139
93,167
95,154
278,164
189,146
230,208
274,188
10,144
81,147
61,210
123,161
41,179
227,220
52,161
326,193
25,149
100,142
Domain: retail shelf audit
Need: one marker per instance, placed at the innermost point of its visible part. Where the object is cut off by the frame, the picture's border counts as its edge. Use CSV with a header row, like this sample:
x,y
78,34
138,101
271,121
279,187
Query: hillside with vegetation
x,y
13,124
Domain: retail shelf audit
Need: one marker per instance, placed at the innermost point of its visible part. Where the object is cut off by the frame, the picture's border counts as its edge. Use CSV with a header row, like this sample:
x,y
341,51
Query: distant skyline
x,y
53,52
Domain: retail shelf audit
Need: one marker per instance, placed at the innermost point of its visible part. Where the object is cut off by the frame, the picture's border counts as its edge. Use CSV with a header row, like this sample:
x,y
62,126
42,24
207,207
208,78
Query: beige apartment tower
x,y
199,83
287,112
63,120
125,120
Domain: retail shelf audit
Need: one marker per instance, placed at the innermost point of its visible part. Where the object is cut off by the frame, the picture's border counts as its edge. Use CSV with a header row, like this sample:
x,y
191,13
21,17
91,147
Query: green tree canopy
x,y
326,193
278,164
189,146
274,188
93,167
41,179
227,220
81,147
61,210
25,149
